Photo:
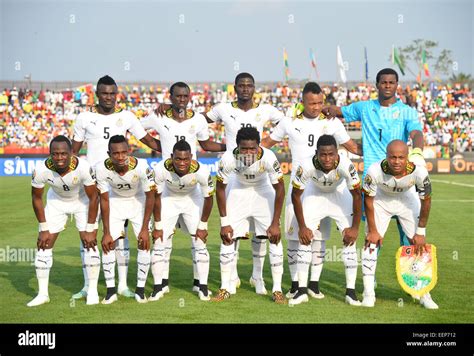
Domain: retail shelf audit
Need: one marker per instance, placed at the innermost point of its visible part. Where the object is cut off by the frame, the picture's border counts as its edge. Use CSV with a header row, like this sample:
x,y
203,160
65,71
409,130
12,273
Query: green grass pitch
x,y
450,227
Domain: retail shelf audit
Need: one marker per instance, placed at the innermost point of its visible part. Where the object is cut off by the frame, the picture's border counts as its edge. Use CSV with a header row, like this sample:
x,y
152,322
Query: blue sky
x,y
167,41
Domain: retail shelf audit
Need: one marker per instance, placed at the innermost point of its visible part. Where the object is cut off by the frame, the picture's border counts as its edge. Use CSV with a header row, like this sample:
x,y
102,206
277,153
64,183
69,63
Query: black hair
x,y
61,138
117,139
312,87
386,71
181,145
179,85
106,80
248,133
326,140
243,76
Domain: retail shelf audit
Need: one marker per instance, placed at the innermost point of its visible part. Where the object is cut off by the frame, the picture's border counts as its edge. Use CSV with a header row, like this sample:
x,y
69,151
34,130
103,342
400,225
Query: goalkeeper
x,y
384,120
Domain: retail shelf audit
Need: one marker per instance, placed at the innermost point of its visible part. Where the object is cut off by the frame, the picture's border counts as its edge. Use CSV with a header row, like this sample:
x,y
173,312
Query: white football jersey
x,y
193,129
379,179
303,134
68,187
265,167
310,172
167,180
234,119
97,129
138,179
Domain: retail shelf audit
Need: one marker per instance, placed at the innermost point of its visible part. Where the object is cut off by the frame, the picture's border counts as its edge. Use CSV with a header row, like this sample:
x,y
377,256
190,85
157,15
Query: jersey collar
x,y
94,110
72,165
259,154
169,113
318,165
235,105
386,168
192,169
131,165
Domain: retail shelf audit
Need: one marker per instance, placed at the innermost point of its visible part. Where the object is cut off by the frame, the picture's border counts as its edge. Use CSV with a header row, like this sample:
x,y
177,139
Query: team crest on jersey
x,y
299,172
192,129
368,180
258,117
396,114
193,181
135,178
261,169
119,122
75,180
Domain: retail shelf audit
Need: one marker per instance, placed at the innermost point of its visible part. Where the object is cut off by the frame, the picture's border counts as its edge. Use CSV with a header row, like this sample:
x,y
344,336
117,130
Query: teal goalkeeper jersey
x,y
381,125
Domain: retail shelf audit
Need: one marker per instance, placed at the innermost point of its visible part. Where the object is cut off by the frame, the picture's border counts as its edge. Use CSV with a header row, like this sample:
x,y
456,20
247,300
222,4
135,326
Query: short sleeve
x,y
370,184
353,112
206,183
225,169
136,128
147,178
215,113
87,173
274,115
350,175
340,133
274,168
149,122
101,179
412,122
202,133
79,130
300,179
279,131
423,183
38,179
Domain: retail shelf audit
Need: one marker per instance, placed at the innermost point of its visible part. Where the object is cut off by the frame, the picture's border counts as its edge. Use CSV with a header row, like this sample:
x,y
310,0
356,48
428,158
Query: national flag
x,y
425,63
397,60
340,65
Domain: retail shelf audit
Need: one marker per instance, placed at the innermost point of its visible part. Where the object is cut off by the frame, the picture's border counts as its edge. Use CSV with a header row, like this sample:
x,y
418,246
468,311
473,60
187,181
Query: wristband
x,y
202,225
43,226
372,246
158,225
90,227
420,231
225,221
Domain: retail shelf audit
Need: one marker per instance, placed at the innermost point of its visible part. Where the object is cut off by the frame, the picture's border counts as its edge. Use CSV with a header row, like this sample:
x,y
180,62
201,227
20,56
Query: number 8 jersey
x,y
68,187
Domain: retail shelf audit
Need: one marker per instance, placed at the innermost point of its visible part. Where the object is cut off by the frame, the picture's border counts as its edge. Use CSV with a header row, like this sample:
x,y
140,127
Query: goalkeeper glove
x,y
416,157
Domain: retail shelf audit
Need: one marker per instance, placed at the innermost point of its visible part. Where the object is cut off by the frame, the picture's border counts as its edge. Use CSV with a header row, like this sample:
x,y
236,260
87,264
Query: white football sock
x,y
84,269
227,262
369,265
292,253
158,261
43,264
193,253
168,249
259,250
108,266
318,251
234,273
201,260
276,262
349,257
304,260
122,255
143,266
92,262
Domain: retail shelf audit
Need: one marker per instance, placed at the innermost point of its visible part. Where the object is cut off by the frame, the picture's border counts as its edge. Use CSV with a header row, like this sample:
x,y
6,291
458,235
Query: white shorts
x,y
57,211
406,207
122,209
186,210
247,205
318,205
